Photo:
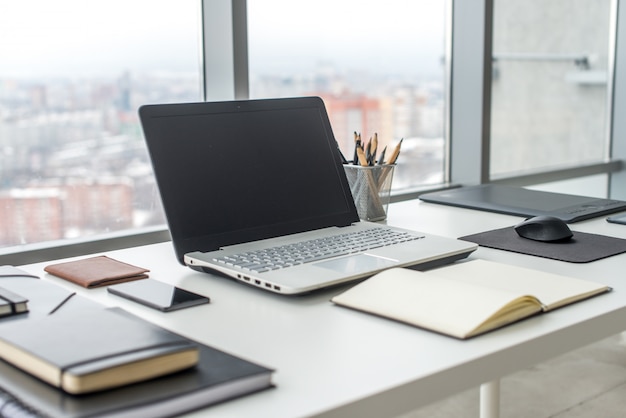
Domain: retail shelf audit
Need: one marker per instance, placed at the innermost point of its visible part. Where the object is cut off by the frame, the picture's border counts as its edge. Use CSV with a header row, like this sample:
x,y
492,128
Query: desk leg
x,y
490,399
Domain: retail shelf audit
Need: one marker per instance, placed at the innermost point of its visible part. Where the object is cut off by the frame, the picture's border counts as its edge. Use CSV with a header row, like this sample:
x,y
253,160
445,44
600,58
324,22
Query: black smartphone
x,y
157,295
617,219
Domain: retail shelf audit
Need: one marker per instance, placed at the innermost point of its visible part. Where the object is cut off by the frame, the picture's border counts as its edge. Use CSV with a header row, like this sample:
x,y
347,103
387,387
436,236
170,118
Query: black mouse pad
x,y
582,248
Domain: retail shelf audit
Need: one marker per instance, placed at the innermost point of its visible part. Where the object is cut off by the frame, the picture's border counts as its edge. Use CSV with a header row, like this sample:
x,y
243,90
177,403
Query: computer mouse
x,y
544,228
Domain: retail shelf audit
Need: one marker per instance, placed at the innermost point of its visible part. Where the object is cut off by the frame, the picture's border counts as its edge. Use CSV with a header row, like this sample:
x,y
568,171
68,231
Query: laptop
x,y
238,177
525,202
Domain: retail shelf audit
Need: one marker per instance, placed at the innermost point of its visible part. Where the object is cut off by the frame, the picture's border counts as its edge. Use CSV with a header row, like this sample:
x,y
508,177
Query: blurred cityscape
x,y
73,162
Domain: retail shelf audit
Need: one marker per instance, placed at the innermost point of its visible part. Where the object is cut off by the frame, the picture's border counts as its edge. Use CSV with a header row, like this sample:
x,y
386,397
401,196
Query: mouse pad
x,y
582,248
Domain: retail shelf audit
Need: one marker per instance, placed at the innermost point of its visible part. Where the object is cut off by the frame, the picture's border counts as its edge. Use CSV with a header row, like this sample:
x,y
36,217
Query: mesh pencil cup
x,y
371,188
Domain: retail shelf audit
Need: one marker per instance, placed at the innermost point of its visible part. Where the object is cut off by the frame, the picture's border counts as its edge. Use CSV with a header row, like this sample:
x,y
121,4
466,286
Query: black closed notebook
x,y
11,303
94,349
218,376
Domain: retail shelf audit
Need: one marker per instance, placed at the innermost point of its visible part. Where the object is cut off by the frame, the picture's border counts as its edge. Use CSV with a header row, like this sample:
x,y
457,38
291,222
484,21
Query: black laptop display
x,y
243,171
256,190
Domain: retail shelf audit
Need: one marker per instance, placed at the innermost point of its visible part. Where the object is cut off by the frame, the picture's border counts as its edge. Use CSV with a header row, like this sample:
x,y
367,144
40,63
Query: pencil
x,y
395,153
374,149
381,157
357,144
361,155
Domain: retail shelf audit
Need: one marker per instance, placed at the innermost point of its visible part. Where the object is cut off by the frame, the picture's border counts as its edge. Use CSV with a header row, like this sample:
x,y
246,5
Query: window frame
x,y
617,133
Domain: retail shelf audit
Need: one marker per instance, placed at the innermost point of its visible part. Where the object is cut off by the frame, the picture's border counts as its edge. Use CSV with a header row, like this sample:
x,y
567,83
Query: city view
x,y
73,162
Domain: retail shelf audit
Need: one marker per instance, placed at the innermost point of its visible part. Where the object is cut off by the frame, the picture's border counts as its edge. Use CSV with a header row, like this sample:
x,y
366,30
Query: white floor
x,y
586,383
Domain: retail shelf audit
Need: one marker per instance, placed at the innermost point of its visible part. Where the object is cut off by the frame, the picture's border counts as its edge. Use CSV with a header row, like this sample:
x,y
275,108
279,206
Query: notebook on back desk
x,y
239,175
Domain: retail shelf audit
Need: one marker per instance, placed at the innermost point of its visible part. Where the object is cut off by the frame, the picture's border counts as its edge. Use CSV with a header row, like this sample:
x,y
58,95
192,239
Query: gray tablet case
x,y
525,202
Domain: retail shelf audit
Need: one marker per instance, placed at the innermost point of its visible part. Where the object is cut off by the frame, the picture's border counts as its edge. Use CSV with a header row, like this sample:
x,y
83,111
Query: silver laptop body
x,y
239,176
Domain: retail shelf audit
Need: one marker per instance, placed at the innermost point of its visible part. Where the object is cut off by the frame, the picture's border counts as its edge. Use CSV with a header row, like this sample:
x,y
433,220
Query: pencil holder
x,y
371,188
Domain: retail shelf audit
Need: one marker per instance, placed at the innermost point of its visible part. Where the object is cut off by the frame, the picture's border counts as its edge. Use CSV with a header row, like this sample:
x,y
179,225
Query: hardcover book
x,y
94,349
217,377
11,303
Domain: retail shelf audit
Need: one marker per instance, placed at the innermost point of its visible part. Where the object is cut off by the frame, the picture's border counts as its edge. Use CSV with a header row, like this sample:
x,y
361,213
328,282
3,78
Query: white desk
x,y
335,362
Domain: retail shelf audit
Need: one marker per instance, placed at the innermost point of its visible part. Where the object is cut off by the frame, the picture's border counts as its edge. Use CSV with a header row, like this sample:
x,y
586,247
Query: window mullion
x,y
470,87
225,49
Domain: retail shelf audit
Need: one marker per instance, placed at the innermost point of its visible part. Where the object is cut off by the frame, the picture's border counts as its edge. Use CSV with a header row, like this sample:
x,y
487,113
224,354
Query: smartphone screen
x,y
157,295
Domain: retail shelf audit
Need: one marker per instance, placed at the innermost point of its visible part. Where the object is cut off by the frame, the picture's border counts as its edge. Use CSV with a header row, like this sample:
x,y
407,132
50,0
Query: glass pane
x,y
377,65
549,88
72,158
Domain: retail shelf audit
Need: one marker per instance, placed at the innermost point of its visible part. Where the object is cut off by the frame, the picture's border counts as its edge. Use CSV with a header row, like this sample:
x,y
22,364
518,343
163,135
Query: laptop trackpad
x,y
357,263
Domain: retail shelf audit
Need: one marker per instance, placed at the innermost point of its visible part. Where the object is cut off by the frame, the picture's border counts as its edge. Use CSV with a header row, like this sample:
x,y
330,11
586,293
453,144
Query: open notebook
x,y
468,298
238,177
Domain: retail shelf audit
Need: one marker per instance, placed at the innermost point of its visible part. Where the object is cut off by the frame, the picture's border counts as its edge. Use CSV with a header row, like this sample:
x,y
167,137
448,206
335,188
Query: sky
x,y
369,34
88,37
85,36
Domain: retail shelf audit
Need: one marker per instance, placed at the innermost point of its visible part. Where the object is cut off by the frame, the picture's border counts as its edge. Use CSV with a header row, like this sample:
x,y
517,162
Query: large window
x,y
378,65
73,162
72,158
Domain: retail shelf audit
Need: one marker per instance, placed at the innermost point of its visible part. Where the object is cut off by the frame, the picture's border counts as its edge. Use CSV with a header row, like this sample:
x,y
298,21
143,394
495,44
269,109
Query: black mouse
x,y
544,228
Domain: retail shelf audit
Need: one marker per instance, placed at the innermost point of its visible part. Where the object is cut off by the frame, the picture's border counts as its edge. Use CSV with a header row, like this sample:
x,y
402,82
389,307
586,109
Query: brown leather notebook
x,y
97,271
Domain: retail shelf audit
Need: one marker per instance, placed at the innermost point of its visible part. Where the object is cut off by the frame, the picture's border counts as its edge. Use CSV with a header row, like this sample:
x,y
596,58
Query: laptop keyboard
x,y
314,250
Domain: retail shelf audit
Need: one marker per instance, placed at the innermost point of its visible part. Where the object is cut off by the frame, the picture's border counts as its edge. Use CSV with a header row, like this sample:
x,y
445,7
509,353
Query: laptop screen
x,y
233,172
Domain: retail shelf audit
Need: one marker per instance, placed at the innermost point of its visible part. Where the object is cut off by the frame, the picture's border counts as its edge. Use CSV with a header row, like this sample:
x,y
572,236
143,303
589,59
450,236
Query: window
x,y
550,84
73,73
379,66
